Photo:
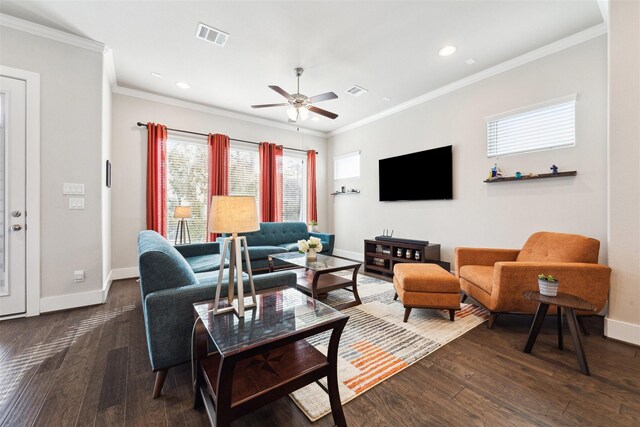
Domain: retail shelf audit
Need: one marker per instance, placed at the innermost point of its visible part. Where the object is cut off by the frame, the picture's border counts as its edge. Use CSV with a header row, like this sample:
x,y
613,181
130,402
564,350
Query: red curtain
x,y
312,204
270,182
157,178
218,171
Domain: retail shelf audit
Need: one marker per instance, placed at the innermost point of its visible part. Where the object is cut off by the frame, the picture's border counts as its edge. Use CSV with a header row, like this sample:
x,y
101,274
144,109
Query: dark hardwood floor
x,y
90,366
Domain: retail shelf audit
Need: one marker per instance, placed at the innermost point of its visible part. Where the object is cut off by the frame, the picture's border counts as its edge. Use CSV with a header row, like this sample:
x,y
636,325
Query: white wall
x,y
106,192
129,163
485,215
71,138
623,321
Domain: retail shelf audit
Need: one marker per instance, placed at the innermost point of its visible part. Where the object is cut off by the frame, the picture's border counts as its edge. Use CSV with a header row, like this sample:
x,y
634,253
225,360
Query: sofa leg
x,y
161,375
492,320
452,314
464,297
407,311
395,297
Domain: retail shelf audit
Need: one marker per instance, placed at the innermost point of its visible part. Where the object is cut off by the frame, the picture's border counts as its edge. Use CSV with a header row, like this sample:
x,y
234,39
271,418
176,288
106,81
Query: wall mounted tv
x,y
424,175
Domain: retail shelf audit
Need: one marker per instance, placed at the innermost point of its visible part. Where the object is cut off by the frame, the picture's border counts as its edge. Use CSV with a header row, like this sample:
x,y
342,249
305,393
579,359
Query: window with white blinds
x,y
187,186
244,172
294,177
534,128
346,166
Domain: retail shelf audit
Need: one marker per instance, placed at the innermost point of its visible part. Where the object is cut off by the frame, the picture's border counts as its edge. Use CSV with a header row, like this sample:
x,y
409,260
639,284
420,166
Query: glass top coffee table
x,y
264,355
316,278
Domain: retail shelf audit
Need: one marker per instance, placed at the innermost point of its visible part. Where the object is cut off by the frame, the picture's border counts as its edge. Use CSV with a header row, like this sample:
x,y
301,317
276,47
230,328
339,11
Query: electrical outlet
x,y
76,203
78,276
70,188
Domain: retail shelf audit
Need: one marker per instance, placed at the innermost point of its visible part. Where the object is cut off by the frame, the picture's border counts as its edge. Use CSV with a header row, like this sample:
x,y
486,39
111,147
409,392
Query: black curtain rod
x,y
231,139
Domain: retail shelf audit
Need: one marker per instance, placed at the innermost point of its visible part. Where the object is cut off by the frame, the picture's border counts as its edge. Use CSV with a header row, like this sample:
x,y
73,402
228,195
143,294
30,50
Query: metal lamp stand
x,y
235,263
183,236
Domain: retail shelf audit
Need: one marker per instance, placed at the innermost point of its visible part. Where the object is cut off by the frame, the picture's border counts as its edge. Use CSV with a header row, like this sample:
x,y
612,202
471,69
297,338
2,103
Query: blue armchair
x,y
280,237
170,284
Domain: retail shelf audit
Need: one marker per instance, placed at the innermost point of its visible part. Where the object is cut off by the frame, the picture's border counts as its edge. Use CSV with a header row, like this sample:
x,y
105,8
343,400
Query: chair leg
x,y
395,297
161,375
492,320
407,311
464,297
582,326
452,314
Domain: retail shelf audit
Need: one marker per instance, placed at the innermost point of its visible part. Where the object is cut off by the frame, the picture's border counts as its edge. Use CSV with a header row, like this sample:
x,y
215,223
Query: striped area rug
x,y
376,344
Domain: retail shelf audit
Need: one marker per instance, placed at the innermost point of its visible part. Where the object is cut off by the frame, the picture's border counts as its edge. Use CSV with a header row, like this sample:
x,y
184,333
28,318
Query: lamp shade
x,y
233,214
182,212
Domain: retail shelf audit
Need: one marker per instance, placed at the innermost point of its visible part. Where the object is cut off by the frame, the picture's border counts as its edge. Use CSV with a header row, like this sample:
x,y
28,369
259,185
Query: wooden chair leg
x,y
407,311
452,314
464,297
161,375
492,320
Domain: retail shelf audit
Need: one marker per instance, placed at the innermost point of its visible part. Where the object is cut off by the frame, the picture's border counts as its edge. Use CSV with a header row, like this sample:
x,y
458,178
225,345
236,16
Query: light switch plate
x,y
71,188
76,203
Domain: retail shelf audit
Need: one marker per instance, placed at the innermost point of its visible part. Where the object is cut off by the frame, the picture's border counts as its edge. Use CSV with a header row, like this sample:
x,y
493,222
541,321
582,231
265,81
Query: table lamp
x,y
234,214
183,235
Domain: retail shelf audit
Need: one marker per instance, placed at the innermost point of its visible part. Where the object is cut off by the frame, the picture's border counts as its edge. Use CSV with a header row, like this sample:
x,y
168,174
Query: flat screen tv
x,y
424,175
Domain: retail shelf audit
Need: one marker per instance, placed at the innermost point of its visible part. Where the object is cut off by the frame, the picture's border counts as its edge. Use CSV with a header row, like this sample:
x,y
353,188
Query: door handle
x,y
16,227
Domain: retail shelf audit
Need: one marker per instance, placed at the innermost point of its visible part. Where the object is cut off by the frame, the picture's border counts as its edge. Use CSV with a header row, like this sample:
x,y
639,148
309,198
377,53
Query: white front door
x,y
13,171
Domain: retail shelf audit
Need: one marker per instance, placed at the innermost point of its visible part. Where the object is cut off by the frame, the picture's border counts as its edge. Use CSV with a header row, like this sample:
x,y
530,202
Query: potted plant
x,y
310,247
313,226
548,285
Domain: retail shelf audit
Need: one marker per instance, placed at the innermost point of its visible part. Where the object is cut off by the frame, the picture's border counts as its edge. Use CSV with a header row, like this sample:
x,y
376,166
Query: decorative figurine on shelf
x,y
496,172
554,170
518,175
417,255
408,254
399,253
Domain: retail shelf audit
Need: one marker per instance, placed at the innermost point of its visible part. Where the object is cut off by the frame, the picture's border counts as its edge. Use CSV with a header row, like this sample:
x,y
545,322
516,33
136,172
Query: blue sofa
x,y
280,237
171,280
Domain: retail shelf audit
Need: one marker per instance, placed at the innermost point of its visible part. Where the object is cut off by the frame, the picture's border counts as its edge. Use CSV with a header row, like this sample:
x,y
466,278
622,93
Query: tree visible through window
x,y
187,186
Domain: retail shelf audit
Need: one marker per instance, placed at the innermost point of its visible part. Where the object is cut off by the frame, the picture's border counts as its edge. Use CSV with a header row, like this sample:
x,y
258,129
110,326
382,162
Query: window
x,y
187,186
346,166
244,172
534,128
294,177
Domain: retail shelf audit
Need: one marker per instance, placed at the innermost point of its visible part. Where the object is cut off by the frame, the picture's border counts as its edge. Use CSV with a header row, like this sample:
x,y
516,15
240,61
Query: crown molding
x,y
550,49
50,33
135,93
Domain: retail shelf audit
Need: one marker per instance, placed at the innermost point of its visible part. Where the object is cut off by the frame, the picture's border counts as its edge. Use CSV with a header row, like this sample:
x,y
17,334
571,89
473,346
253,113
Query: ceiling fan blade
x,y
284,104
324,97
322,112
281,92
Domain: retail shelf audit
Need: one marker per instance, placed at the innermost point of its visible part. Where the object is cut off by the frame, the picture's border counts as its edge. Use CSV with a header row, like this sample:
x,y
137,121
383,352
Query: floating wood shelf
x,y
526,178
345,192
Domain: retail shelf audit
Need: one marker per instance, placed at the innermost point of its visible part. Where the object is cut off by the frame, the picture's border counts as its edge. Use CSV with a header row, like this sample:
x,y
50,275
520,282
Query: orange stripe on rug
x,y
380,378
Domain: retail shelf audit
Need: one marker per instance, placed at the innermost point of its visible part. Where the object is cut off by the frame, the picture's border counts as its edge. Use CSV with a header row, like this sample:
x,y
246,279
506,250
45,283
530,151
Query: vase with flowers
x,y
310,247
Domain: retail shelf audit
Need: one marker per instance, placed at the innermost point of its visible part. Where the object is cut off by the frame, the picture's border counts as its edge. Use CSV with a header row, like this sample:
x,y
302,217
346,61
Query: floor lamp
x,y
234,214
183,235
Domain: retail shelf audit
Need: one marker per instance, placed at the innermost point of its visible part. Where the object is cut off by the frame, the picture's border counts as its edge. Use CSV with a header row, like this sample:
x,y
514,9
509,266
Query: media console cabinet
x,y
381,255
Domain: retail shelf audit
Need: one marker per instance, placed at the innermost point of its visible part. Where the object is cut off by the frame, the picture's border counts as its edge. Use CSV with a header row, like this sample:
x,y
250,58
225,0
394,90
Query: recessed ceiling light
x,y
183,85
158,75
315,119
386,98
470,61
447,50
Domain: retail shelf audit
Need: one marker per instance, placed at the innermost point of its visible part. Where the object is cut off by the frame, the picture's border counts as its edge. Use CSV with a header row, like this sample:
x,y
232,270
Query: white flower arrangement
x,y
313,243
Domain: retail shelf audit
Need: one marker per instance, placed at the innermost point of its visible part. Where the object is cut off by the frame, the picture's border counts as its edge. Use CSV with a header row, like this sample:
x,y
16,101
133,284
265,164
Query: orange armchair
x,y
496,278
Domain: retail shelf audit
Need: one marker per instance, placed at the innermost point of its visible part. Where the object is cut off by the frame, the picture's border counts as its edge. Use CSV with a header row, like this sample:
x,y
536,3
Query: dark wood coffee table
x,y
316,278
264,356
564,302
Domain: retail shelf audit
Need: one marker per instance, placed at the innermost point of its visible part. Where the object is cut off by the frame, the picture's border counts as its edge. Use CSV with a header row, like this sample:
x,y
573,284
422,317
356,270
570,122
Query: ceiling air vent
x,y
212,35
356,90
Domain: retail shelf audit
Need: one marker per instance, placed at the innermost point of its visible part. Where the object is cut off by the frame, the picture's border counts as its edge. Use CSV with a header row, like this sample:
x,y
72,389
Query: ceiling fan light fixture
x,y
293,114
304,113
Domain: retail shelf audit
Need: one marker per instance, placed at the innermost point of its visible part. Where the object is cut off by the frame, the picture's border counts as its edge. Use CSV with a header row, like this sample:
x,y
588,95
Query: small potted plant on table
x,y
313,226
548,285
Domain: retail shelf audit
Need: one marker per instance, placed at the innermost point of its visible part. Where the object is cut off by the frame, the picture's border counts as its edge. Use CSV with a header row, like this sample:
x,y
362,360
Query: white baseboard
x,y
348,254
64,302
622,331
124,273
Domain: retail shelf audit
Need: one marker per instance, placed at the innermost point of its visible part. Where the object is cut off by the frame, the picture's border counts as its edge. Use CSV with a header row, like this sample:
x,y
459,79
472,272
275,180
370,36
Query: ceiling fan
x,y
301,104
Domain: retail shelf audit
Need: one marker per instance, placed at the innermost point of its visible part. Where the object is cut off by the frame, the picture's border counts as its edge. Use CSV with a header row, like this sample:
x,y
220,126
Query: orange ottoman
x,y
426,286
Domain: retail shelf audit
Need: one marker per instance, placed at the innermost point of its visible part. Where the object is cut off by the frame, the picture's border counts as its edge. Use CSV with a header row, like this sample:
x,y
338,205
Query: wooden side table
x,y
564,302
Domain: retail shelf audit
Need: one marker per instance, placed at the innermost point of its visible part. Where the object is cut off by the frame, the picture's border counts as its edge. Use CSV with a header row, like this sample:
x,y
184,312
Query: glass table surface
x,y
323,262
277,314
